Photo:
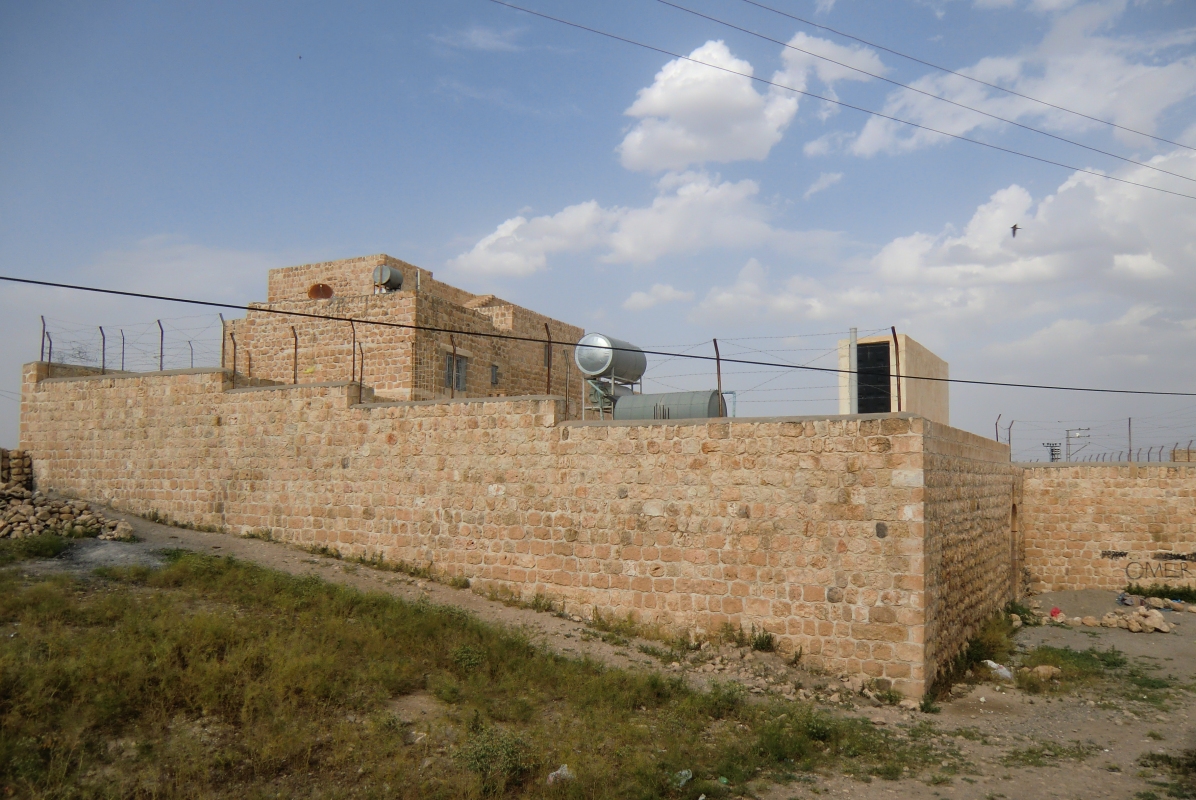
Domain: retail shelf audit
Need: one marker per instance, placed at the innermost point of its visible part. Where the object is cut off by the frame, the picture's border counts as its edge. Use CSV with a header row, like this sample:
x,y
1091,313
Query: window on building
x,y
494,374
454,375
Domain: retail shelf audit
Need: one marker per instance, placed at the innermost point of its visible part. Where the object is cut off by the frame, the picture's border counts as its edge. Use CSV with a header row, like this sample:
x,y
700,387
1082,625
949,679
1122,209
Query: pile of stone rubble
x,y
26,513
1144,616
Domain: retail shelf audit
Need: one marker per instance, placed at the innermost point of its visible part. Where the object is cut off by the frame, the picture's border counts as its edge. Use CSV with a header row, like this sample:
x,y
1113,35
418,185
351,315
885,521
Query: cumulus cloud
x,y
825,181
1086,256
692,211
659,293
1129,80
693,114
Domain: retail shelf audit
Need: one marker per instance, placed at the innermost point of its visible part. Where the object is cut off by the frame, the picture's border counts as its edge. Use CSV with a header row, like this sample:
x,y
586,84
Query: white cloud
x,y
693,114
659,293
481,38
1085,257
692,211
825,181
1139,265
1129,80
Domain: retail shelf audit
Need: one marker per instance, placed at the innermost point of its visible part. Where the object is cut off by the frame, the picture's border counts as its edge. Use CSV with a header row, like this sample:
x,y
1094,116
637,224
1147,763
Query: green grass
x,y
1077,667
48,545
1046,754
1181,768
1184,593
213,677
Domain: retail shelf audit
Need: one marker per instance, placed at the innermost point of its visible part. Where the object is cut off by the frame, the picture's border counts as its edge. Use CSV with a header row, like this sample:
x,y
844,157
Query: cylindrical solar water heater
x,y
388,277
670,405
603,356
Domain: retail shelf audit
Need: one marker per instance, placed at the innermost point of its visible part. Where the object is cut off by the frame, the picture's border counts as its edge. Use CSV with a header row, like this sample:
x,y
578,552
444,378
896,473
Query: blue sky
x,y
187,148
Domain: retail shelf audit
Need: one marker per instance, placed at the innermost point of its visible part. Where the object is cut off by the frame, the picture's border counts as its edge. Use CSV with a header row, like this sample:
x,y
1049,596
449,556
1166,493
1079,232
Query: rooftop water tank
x,y
670,405
597,355
388,277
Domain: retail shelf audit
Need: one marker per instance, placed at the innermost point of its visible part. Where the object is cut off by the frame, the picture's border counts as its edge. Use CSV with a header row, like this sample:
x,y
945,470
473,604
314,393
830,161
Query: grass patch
x,y
213,677
993,642
1046,754
1185,593
47,545
1181,768
1076,667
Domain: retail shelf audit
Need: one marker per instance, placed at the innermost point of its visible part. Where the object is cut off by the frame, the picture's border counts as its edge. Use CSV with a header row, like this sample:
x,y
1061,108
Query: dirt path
x,y
1002,737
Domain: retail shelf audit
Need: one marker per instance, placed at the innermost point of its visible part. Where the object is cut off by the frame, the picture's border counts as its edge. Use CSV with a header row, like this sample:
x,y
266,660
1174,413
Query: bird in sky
x,y
1015,229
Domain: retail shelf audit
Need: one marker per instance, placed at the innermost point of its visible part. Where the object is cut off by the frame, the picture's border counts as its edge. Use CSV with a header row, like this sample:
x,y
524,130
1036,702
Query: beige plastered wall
x,y
929,399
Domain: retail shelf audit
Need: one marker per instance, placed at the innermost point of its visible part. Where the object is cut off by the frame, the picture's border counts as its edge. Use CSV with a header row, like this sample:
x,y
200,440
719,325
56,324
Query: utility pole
x,y
853,379
1129,424
1076,433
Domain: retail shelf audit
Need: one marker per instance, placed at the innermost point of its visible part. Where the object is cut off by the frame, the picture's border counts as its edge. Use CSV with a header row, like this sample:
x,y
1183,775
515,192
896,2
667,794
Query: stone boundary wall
x,y
769,523
16,467
972,554
1103,526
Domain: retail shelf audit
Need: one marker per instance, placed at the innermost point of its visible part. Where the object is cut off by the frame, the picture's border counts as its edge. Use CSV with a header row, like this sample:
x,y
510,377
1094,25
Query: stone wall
x,y
972,552
771,523
16,467
1107,525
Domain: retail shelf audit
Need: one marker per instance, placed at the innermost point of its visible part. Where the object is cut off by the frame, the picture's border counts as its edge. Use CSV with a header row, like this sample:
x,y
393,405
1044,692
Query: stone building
x,y
401,359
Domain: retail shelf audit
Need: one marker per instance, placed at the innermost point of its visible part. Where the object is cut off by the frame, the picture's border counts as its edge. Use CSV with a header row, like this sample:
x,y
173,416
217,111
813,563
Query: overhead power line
x,y
965,76
767,82
932,95
511,337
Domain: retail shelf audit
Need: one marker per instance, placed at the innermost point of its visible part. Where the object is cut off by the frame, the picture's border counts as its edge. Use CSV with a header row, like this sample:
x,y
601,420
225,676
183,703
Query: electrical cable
x,y
260,309
966,77
1030,128
767,82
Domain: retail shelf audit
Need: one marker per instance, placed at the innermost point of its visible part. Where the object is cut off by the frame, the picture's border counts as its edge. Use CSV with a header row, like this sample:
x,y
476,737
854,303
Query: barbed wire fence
x,y
195,341
168,343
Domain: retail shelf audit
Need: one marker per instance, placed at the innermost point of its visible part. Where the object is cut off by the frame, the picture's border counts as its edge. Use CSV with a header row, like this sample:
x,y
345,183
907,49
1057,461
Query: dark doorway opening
x,y
875,394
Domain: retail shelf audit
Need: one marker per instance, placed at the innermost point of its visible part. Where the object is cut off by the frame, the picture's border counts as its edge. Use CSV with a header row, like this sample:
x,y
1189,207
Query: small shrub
x,y
929,706
468,658
1165,591
499,758
46,545
459,582
763,641
542,603
729,634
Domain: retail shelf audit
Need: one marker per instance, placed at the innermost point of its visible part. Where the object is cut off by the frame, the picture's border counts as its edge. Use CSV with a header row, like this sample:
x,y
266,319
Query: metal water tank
x,y
598,355
388,277
671,405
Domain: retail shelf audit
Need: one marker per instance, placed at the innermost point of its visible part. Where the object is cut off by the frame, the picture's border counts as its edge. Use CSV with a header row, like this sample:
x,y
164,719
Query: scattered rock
x,y
1090,622
908,705
1046,672
1015,621
1156,602
562,774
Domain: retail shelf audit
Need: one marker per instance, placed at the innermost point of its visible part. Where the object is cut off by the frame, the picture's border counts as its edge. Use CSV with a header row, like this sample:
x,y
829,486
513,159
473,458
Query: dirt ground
x,y
996,733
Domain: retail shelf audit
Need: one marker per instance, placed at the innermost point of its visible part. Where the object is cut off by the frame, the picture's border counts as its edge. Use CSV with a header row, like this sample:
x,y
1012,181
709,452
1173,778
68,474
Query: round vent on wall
x,y
319,291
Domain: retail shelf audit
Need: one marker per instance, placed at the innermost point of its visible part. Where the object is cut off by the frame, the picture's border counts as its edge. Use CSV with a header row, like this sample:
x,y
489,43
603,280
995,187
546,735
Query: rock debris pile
x,y
25,513
1145,616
